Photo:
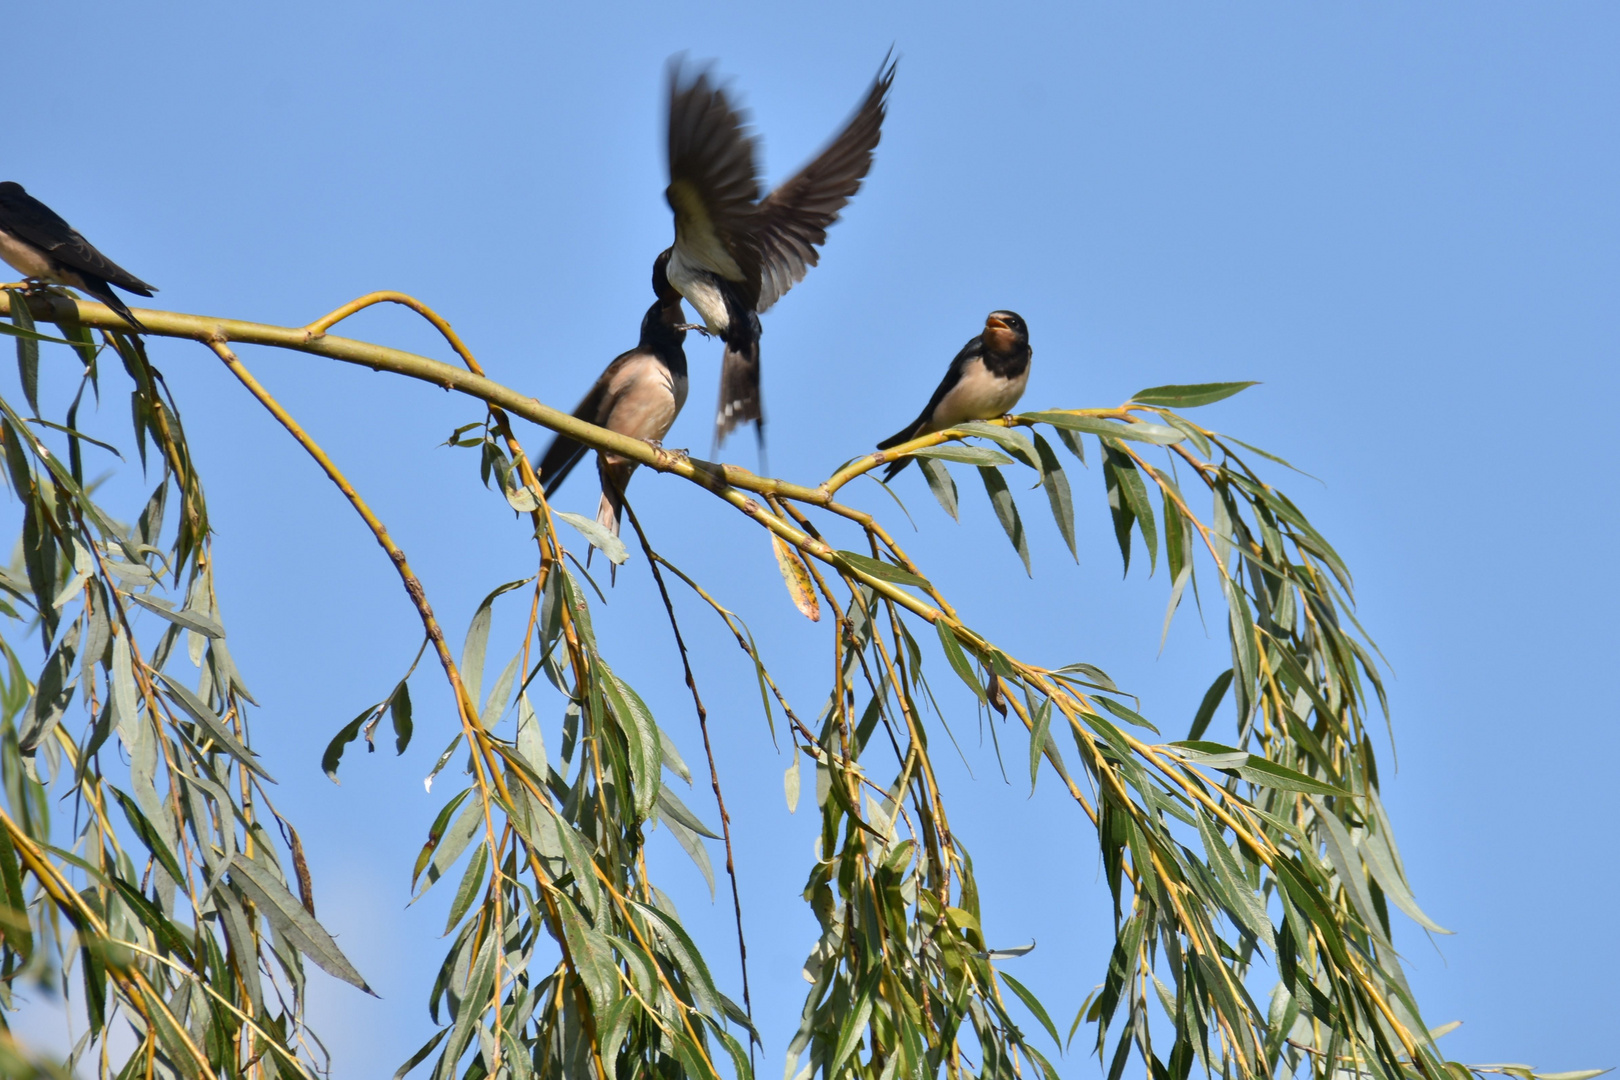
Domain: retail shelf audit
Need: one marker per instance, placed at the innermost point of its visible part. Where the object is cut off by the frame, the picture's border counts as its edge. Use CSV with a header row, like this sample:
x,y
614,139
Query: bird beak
x,y
995,322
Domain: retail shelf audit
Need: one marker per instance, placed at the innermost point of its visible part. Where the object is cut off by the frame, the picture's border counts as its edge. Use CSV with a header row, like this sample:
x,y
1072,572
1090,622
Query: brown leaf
x,y
998,700
797,579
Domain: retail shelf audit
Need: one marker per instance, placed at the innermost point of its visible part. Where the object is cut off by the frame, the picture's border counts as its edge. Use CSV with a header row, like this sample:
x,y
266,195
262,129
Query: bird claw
x,y
658,444
699,327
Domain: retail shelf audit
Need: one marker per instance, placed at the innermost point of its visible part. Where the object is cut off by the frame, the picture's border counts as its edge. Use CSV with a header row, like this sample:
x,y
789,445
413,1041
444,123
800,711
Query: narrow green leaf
x,y
467,891
1037,739
600,538
1190,395
24,335
1134,491
188,618
1012,440
958,659
1207,707
1176,591
692,843
685,954
288,915
790,784
1238,897
22,329
399,712
941,484
531,742
1264,773
1119,507
500,695
1376,854
334,749
671,808
1033,1004
150,838
1056,484
578,858
1124,714
967,455
883,571
850,1031
210,720
422,1054
612,1027
1141,431
995,485
641,733
472,650
17,930
1076,445
445,845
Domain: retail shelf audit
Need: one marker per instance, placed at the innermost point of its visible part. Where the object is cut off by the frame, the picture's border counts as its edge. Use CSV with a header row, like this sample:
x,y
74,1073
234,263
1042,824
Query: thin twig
x,y
714,774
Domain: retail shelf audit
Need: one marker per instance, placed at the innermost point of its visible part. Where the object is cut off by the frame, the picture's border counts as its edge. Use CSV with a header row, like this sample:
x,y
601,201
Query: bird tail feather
x,y
607,513
905,434
99,289
740,399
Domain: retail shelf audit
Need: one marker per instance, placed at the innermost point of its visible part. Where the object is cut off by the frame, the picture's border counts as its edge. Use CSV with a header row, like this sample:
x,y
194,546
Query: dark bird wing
x,y
25,216
564,453
793,219
919,426
714,183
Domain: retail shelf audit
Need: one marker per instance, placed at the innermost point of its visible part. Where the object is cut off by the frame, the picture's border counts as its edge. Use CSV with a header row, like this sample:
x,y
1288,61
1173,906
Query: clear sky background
x,y
1403,219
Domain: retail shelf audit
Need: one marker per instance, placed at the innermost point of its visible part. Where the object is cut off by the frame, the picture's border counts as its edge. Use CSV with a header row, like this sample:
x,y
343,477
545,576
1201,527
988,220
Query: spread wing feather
x,y
714,184
793,219
33,221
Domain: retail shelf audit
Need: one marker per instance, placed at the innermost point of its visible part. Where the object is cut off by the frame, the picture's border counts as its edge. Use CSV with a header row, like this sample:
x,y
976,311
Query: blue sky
x,y
1401,219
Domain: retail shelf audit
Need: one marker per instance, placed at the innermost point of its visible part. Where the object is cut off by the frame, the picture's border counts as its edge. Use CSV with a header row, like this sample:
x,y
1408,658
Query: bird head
x,y
1004,332
660,278
669,298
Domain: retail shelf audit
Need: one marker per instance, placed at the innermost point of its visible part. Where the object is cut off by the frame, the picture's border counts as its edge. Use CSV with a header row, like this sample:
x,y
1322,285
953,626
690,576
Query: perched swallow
x,y
41,245
984,382
639,395
737,249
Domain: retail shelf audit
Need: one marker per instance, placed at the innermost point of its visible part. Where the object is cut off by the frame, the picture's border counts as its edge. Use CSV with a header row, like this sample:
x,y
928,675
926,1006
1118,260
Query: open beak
x,y
995,322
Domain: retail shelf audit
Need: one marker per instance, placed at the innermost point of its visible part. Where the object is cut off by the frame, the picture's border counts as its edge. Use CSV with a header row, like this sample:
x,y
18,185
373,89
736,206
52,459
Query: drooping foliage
x,y
145,870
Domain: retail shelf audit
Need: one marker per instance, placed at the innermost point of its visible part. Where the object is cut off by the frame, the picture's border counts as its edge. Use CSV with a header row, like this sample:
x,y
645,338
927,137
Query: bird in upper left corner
x,y
40,245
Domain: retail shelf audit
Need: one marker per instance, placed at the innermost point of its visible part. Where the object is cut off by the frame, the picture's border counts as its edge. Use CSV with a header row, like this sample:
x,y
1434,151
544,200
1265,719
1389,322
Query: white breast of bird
x,y
697,283
979,395
24,257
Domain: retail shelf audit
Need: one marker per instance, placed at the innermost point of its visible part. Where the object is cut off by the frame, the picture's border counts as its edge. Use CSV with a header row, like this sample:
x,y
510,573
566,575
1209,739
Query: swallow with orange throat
x,y
639,395
738,249
43,247
984,382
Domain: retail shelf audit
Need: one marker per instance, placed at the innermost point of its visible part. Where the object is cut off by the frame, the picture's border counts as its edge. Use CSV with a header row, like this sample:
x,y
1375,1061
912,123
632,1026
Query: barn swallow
x,y
40,245
639,395
984,382
737,249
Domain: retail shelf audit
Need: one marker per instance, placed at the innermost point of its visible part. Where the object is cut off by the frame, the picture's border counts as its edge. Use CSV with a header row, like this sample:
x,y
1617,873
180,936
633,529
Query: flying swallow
x,y
737,249
40,245
984,382
639,395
